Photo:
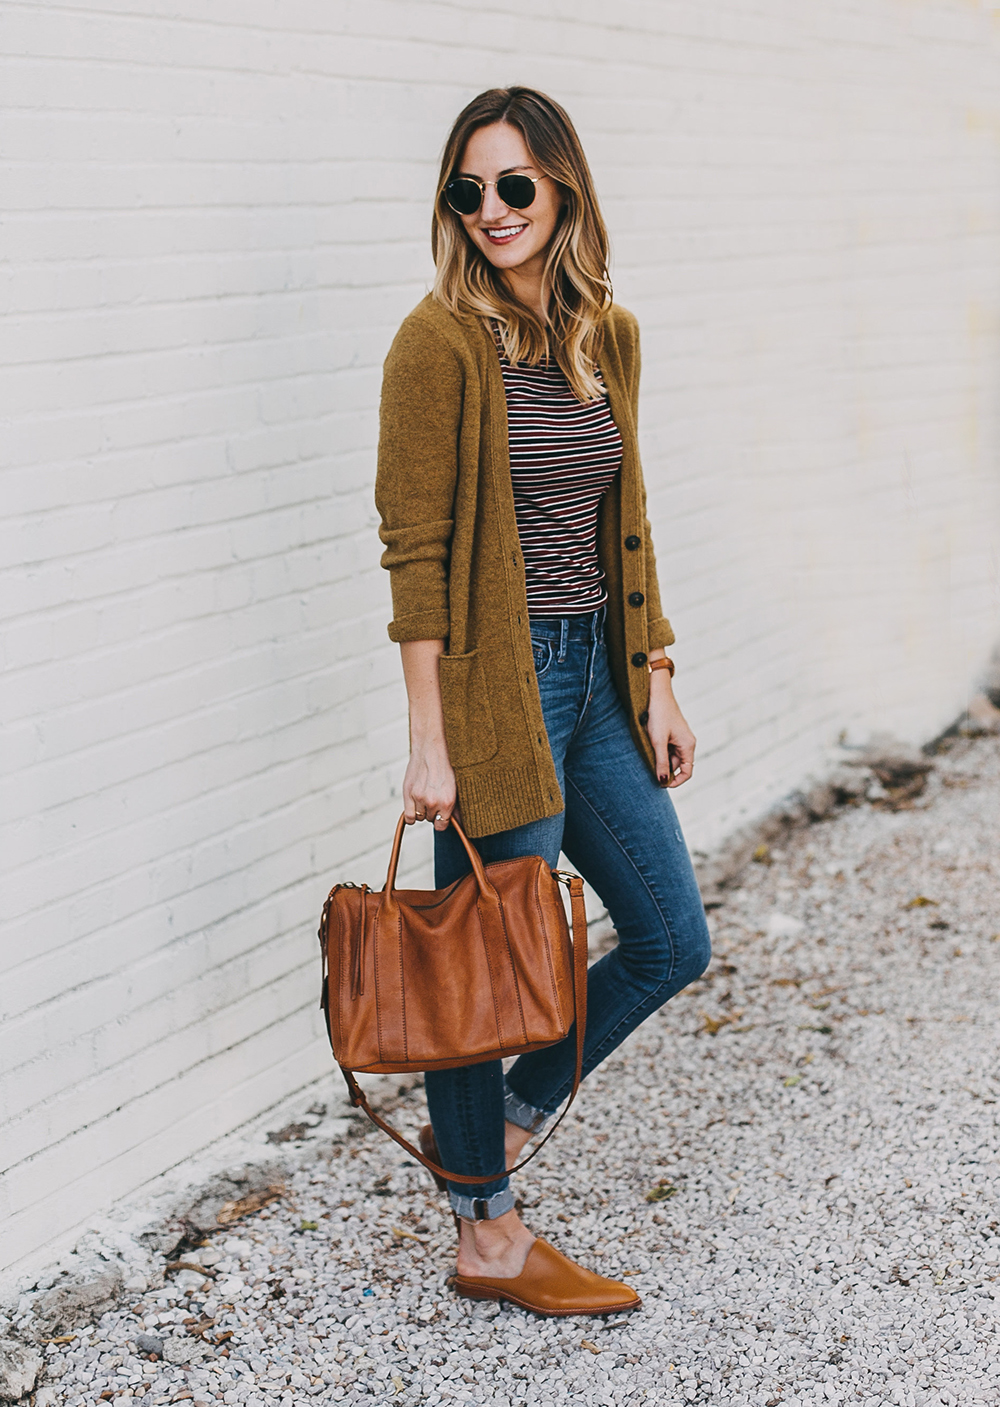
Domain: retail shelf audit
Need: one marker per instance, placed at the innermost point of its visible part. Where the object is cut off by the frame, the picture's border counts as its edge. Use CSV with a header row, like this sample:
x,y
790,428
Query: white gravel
x,y
826,1163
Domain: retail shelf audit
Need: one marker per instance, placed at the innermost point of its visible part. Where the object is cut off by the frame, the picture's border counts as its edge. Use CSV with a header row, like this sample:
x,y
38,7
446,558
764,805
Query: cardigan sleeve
x,y
659,628
415,485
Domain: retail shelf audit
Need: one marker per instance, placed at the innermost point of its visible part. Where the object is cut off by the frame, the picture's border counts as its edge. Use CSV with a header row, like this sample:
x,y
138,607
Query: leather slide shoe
x,y
429,1148
550,1284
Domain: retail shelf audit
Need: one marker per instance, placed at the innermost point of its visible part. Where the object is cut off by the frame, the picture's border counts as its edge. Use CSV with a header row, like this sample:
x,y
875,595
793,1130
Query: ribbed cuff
x,y
526,1116
482,1208
492,799
660,633
421,625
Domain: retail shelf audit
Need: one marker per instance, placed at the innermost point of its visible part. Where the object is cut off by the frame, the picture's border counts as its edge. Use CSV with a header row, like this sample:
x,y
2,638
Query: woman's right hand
x,y
429,790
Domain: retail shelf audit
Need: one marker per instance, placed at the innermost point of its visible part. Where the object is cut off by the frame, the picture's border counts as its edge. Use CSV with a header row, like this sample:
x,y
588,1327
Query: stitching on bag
x,y
402,985
509,864
493,986
513,971
340,975
548,947
377,928
378,999
500,864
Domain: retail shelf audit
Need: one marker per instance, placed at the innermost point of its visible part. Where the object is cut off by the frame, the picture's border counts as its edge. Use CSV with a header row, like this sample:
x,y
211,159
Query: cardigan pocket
x,y
468,717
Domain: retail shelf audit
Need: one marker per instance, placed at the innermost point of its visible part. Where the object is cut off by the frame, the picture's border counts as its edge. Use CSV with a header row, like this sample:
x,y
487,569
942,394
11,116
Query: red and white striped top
x,y
564,455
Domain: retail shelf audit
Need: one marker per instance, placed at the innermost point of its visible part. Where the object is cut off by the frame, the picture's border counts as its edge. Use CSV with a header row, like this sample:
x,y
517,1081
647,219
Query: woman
x,y
528,615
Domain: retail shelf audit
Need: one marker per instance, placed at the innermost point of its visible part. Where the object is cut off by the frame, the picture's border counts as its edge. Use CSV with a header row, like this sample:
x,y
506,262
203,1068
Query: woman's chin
x,y
500,259
508,256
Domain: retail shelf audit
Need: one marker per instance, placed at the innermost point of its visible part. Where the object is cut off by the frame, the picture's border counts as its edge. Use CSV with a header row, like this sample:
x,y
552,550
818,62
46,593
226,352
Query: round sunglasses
x,y
465,194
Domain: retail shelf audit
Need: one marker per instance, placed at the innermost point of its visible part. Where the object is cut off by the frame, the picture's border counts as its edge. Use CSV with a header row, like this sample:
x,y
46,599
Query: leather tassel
x,y
358,975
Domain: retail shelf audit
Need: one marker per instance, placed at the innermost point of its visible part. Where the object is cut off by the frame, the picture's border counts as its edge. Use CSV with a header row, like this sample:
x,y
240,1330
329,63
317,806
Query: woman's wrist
x,y
661,675
661,685
427,737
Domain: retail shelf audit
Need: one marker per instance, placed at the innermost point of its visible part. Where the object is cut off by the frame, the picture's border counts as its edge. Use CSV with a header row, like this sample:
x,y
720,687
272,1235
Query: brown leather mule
x,y
550,1284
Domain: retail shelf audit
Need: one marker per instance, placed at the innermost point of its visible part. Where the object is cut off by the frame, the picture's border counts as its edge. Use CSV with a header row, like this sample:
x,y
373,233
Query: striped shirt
x,y
564,455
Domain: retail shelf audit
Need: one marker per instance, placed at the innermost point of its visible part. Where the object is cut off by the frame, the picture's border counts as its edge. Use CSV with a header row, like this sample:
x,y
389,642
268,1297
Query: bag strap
x,y
574,884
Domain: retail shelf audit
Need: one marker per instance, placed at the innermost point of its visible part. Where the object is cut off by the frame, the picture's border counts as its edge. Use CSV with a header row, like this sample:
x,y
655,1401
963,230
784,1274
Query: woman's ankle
x,y
515,1140
498,1247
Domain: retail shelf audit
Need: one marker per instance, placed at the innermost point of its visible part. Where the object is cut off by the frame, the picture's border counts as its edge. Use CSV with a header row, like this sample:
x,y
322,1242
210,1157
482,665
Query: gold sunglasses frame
x,y
474,180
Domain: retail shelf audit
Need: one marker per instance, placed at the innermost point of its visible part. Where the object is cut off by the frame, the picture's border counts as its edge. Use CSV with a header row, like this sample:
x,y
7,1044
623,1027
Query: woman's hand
x,y
672,739
429,785
429,789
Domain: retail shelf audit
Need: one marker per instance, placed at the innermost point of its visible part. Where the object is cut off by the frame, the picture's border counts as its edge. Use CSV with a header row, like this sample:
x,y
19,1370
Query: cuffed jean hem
x,y
518,1111
482,1208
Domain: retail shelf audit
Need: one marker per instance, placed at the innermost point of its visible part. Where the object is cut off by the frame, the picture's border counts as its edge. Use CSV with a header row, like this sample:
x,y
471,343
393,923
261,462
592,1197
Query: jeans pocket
x,y
544,655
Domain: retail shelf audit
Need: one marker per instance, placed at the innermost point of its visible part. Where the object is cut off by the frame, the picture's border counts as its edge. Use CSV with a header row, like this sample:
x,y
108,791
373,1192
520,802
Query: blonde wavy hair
x,y
576,271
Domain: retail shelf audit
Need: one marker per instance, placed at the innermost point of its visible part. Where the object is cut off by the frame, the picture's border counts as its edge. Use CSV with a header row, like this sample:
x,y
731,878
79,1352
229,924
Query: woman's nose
x,y
493,206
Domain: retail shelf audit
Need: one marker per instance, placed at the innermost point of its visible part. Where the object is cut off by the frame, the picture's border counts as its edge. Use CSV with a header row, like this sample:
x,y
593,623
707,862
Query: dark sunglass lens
x,y
516,191
463,196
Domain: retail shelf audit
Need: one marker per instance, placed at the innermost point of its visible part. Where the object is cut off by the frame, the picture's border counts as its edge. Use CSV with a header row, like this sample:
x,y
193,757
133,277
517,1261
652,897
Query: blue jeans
x,y
620,831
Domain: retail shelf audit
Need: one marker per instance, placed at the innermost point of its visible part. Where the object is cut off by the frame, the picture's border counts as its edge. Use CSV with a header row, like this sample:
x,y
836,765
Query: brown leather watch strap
x,y
664,662
574,884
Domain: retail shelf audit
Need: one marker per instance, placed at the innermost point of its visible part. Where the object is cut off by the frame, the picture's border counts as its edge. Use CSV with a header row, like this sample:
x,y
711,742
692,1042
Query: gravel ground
x,y
796,1164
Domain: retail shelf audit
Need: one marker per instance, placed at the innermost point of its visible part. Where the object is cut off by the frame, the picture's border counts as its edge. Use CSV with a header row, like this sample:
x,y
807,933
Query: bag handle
x,y
574,884
474,859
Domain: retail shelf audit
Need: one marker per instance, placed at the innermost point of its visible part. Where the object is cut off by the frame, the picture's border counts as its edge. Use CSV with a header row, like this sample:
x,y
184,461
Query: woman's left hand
x,y
672,739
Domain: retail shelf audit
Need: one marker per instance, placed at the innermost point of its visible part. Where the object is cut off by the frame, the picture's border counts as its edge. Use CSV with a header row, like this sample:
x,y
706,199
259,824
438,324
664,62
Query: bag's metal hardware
x,y
566,877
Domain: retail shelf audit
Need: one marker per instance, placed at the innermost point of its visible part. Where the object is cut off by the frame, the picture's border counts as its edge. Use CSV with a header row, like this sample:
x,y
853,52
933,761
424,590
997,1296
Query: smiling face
x,y
515,241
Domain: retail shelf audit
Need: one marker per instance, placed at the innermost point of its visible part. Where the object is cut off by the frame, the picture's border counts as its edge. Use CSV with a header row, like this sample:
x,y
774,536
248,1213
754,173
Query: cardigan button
x,y
636,599
638,659
632,542
644,717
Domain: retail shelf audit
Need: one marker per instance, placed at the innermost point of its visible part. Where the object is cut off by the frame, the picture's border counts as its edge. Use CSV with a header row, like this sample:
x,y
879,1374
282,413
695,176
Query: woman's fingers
x,y
437,812
428,798
414,803
675,760
681,753
665,761
672,739
681,773
426,808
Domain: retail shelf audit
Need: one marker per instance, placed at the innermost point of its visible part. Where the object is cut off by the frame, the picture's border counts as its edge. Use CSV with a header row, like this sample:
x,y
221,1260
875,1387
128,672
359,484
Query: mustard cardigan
x,y
452,549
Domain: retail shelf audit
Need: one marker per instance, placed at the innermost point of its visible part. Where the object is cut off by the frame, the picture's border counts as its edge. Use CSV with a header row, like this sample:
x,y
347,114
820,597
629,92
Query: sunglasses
x,y
466,194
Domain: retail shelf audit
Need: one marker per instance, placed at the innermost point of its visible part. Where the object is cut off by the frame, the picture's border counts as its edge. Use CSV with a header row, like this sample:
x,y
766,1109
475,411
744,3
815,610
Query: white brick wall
x,y
215,217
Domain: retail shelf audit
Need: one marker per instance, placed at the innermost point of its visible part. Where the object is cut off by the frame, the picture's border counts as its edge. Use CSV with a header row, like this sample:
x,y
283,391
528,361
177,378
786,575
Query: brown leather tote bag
x,y
434,979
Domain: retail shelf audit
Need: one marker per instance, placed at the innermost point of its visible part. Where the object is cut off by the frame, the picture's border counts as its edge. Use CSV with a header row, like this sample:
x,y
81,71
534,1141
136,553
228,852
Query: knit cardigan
x,y
444,494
